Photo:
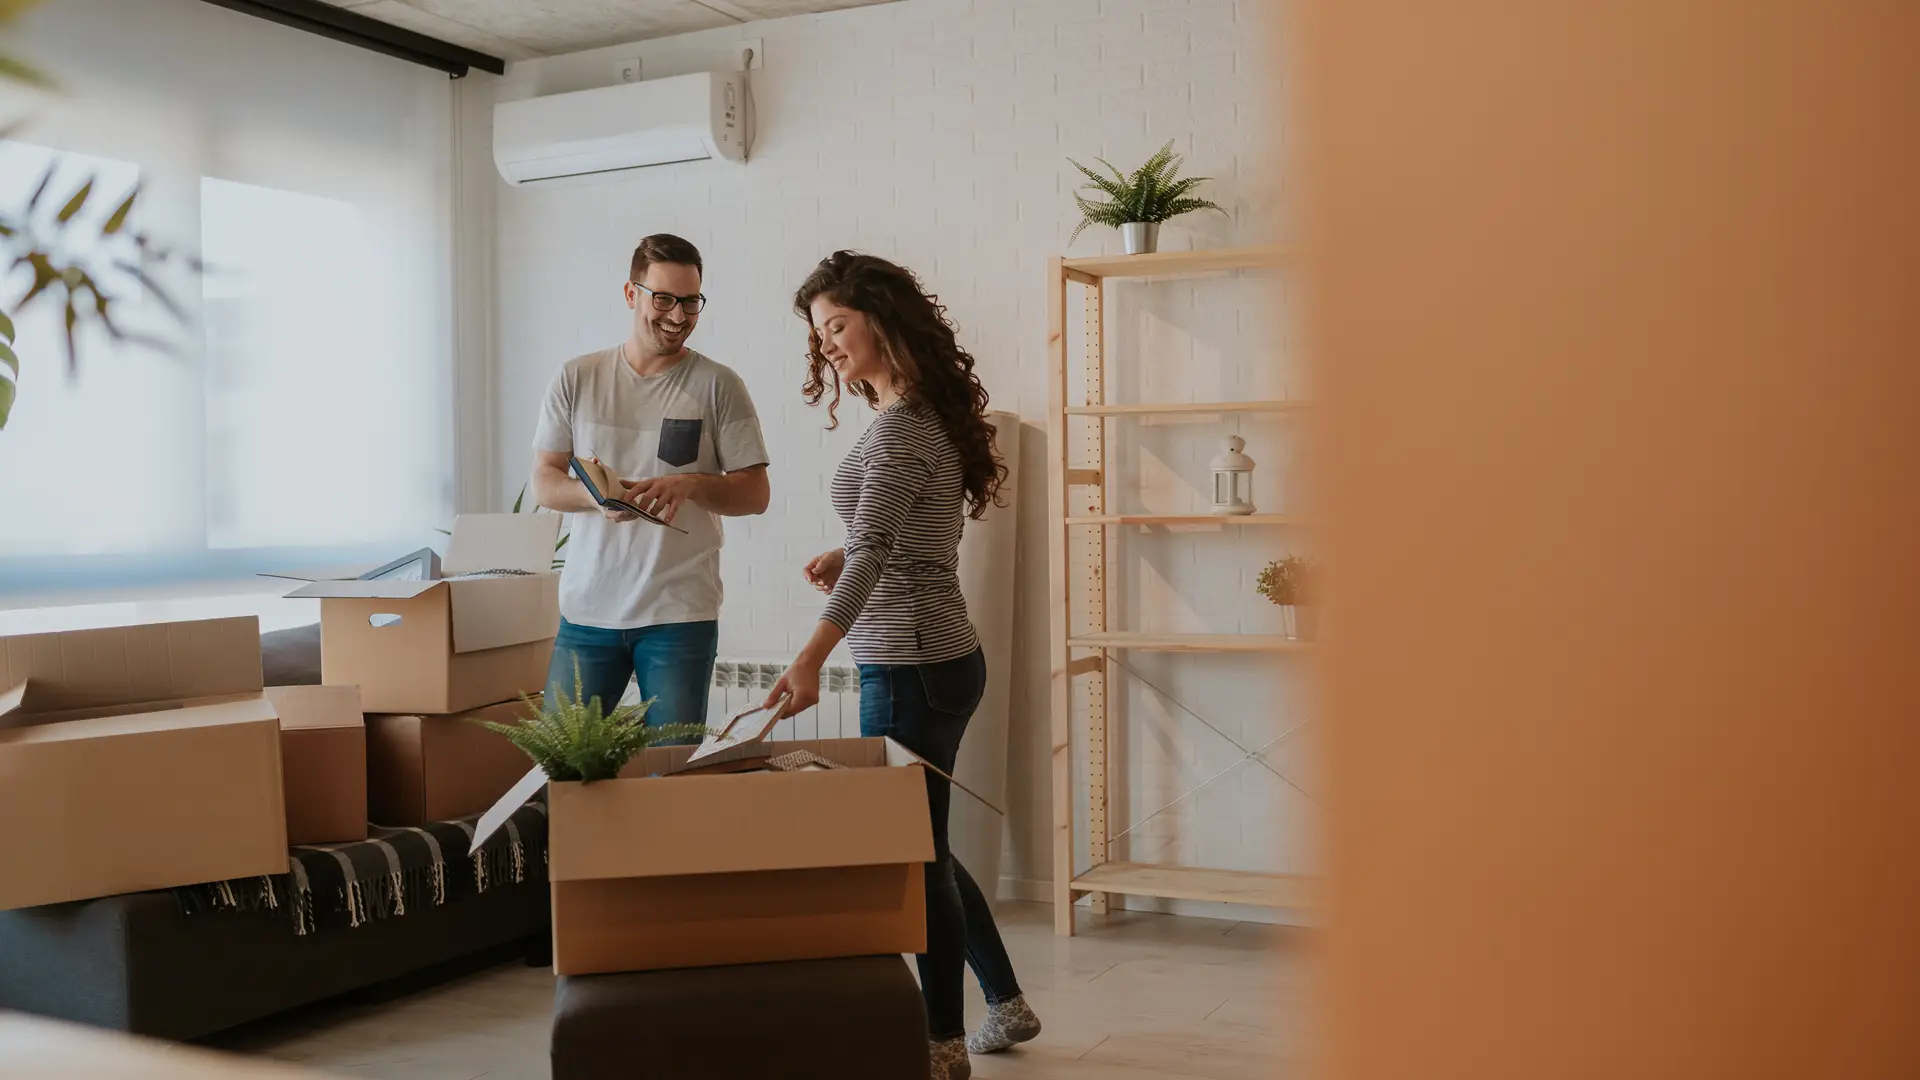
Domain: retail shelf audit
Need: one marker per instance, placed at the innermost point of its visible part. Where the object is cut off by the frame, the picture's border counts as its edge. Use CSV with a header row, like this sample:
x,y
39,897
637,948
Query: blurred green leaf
x,y
6,401
74,204
14,71
8,358
119,217
41,188
6,326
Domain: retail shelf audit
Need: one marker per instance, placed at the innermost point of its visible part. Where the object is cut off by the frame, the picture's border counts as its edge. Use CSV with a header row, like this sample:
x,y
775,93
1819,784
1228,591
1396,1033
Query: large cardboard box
x,y
137,757
440,768
653,871
451,644
323,758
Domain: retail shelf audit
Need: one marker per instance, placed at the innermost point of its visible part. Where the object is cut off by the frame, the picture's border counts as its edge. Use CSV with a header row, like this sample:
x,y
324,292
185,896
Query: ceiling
x,y
523,29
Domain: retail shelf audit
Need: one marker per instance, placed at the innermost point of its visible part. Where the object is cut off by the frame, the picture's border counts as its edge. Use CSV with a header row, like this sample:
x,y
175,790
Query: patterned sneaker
x,y
950,1061
1008,1022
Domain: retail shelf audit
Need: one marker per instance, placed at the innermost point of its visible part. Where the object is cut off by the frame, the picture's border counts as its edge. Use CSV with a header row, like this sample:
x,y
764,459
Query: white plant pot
x,y
1140,237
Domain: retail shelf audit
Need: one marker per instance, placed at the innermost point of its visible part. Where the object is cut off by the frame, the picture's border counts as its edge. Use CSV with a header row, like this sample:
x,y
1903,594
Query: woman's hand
x,y
823,570
800,686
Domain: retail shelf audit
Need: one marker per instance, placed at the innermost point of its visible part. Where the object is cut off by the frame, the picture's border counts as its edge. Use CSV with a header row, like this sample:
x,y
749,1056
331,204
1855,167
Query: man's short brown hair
x,y
664,248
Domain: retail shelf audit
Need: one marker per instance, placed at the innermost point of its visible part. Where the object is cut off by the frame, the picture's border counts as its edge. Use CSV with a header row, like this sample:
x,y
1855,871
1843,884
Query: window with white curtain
x,y
304,412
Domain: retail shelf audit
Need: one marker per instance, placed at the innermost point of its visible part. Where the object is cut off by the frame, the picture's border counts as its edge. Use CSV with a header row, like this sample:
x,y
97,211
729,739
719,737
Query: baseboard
x,y
1036,891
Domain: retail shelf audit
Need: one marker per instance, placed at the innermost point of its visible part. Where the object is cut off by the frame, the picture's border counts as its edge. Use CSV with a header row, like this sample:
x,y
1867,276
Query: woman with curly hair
x,y
925,464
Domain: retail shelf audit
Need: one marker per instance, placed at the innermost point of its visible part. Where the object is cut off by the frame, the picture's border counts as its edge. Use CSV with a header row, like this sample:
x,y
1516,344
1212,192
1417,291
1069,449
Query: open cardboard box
x,y
449,644
134,758
323,755
658,871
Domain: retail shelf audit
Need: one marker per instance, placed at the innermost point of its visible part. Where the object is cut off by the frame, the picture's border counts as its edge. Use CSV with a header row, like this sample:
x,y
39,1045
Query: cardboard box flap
x,y
502,542
494,612
738,822
11,701
490,822
331,573
313,708
122,665
166,716
900,755
382,590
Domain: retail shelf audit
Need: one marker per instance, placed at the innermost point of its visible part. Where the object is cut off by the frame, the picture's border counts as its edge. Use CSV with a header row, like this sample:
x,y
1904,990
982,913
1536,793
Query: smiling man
x,y
637,599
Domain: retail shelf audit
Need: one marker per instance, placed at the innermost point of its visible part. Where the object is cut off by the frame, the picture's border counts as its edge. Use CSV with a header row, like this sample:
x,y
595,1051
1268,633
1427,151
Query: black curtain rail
x,y
353,28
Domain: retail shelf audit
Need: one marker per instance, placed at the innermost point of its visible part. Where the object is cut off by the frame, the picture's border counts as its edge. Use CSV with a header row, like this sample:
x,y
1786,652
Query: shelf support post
x,y
1059,624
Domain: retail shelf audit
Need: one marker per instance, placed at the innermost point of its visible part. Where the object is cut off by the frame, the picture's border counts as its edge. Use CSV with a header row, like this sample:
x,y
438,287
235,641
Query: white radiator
x,y
740,684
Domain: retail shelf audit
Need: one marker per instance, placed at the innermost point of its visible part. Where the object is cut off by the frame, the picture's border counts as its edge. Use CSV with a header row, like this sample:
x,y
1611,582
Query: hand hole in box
x,y
377,621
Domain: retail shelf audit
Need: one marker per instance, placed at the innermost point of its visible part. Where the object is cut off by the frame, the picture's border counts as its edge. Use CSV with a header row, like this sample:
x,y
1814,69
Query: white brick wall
x,y
935,132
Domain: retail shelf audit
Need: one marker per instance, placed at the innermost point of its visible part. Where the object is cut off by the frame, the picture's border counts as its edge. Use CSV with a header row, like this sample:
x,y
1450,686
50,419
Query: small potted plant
x,y
1290,583
571,740
1139,201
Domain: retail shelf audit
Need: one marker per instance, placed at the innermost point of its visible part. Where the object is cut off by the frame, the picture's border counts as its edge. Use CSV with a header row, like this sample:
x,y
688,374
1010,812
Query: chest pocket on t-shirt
x,y
679,441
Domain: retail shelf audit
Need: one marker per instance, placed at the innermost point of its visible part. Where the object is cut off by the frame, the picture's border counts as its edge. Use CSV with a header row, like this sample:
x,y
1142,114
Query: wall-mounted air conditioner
x,y
616,128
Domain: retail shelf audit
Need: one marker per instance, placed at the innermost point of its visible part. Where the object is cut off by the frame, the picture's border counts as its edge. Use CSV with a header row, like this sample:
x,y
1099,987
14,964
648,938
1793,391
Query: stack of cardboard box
x,y
438,648
149,757
137,757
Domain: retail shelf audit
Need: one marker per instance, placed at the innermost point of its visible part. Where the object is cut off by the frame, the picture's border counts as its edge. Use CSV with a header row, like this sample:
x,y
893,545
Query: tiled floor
x,y
1133,997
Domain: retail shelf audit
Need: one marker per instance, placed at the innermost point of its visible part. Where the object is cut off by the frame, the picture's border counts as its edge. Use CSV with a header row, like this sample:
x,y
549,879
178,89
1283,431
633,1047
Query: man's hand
x,y
661,496
823,571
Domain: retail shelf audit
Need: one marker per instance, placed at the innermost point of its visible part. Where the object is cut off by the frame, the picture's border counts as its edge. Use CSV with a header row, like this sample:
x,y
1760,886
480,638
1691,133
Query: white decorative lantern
x,y
1233,479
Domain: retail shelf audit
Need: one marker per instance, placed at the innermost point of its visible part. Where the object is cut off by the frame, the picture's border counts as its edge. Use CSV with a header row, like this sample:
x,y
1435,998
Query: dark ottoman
x,y
859,1017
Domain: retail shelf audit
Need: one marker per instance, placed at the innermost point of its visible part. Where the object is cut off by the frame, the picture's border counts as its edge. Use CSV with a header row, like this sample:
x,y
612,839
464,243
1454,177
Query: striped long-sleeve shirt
x,y
901,495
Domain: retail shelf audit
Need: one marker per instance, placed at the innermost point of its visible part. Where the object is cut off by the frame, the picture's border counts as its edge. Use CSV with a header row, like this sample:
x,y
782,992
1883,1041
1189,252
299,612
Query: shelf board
x,y
1189,883
1189,642
1190,519
1188,408
1174,263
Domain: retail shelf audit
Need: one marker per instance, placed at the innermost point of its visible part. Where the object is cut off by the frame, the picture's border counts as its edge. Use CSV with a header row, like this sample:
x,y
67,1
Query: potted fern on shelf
x,y
1137,202
574,740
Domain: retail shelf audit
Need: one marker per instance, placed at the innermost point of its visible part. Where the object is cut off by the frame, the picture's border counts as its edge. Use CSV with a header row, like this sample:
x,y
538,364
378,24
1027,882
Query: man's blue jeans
x,y
672,663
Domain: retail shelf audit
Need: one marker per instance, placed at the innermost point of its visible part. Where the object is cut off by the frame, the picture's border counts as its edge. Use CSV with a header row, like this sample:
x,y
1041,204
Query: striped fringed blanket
x,y
393,871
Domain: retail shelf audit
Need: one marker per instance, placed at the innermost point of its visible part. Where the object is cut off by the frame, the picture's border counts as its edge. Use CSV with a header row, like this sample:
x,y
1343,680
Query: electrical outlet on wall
x,y
628,70
751,54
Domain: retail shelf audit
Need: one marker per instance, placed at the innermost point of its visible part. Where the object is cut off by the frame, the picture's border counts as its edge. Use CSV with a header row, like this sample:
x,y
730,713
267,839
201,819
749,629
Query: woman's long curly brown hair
x,y
920,350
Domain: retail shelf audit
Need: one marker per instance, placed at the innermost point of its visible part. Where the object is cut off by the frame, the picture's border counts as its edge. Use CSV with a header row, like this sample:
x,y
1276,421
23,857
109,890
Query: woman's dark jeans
x,y
925,708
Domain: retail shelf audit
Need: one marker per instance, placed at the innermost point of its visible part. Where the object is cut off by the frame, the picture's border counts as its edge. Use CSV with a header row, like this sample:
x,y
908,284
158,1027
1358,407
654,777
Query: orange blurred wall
x,y
1618,311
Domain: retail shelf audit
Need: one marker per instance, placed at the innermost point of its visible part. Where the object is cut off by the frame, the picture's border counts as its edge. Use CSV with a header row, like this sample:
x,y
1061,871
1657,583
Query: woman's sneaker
x,y
1007,1023
950,1061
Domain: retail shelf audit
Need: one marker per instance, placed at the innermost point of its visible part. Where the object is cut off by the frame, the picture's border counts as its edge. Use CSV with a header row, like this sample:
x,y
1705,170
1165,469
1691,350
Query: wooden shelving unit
x,y
1188,642
1078,481
1205,408
1221,520
1188,883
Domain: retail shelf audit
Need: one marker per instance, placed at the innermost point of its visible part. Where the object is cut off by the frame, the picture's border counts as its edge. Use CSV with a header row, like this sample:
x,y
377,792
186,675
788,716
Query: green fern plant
x,y
1150,193
571,739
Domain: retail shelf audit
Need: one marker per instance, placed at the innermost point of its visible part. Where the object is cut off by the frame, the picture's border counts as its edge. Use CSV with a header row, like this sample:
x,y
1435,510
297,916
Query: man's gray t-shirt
x,y
695,417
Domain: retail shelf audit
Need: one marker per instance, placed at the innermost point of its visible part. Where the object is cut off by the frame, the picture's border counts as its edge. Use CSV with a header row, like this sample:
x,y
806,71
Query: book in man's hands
x,y
600,480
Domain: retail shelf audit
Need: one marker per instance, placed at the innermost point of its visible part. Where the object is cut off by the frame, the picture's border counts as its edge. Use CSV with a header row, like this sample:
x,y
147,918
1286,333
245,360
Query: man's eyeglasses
x,y
665,301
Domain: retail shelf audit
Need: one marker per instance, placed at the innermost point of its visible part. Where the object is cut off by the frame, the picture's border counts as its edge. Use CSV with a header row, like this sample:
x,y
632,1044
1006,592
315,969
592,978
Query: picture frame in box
x,y
787,865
